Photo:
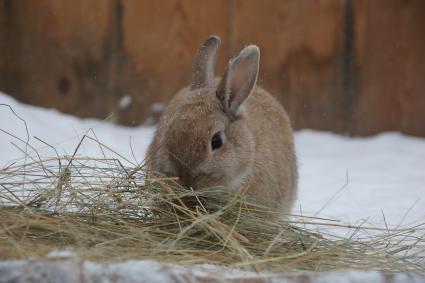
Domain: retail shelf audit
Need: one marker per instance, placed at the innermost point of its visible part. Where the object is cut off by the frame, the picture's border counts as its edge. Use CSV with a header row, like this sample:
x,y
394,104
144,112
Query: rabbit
x,y
227,132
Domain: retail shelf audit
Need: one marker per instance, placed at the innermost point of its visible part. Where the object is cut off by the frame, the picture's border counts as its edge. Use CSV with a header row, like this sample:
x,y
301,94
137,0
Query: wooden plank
x,y
160,42
8,50
83,57
335,65
390,57
300,41
55,53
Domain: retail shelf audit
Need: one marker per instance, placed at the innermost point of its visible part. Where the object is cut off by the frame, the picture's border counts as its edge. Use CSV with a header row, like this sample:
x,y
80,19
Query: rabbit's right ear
x,y
239,80
203,67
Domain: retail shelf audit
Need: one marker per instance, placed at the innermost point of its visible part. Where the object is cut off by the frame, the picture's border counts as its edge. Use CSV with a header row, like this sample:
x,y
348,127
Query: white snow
x,y
64,132
349,179
343,178
125,102
74,270
362,178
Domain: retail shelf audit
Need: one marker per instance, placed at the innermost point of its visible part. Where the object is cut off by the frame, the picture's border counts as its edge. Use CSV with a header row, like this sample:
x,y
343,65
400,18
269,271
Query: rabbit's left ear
x,y
239,79
203,67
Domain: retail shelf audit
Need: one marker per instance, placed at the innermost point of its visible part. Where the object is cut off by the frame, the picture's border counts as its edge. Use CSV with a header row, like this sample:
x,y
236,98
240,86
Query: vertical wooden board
x,y
390,45
57,53
4,37
82,57
300,41
8,50
160,42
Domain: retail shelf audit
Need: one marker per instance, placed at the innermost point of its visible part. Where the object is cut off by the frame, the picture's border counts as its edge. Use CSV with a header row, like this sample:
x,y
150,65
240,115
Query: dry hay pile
x,y
106,211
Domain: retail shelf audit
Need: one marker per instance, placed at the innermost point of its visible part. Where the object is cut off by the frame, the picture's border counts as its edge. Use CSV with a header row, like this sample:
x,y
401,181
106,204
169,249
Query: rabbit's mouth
x,y
195,181
203,181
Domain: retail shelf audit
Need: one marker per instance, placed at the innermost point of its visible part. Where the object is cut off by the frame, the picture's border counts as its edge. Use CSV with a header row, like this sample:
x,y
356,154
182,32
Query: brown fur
x,y
257,152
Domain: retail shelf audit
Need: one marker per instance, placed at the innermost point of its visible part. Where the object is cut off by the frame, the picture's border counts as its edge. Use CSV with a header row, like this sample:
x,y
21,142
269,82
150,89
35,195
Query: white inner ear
x,y
238,99
241,78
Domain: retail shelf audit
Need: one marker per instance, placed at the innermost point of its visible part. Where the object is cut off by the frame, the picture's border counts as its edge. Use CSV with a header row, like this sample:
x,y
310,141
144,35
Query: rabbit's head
x,y
203,138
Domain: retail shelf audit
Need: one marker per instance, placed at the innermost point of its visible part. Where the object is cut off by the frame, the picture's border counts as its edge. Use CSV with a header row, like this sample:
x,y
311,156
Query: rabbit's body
x,y
251,129
275,183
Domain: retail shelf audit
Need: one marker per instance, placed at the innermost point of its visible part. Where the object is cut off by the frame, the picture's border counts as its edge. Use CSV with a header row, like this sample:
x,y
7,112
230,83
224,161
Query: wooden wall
x,y
349,66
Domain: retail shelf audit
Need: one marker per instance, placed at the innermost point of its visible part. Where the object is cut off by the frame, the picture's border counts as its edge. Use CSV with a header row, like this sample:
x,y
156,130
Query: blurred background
x,y
355,67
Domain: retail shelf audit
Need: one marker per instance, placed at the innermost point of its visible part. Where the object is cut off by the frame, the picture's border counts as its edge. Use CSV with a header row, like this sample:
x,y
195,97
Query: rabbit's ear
x,y
239,79
203,67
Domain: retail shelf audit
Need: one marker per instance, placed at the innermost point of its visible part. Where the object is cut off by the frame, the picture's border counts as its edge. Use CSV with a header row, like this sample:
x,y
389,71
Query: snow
x,y
362,178
125,102
64,132
343,178
74,270
349,179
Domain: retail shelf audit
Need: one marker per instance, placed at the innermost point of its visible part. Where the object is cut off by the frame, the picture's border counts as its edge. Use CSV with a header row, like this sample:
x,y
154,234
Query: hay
x,y
106,211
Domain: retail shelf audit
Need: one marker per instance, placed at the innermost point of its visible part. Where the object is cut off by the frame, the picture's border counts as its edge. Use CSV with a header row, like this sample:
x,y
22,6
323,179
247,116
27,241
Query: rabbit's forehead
x,y
202,100
199,113
186,140
197,122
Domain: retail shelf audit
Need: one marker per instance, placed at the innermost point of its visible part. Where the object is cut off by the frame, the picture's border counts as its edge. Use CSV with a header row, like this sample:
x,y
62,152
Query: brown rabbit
x,y
227,132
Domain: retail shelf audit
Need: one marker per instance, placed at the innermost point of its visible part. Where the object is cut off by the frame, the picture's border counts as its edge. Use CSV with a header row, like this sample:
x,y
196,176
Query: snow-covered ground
x,y
72,270
349,179
343,178
362,178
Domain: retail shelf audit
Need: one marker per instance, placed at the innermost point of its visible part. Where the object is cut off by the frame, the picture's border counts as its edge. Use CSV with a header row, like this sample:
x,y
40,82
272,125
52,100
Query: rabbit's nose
x,y
186,179
185,182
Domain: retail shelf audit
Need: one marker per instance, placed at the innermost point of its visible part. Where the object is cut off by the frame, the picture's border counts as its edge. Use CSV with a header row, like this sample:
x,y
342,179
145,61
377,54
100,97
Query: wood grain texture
x,y
352,67
160,41
55,52
390,57
300,45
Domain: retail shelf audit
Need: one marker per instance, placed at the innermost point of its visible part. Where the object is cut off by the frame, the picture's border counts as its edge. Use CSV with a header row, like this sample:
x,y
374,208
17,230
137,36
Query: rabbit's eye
x,y
216,141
